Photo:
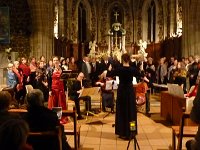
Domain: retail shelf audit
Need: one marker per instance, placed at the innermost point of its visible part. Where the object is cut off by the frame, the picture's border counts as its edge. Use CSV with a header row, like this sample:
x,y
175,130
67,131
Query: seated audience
x,y
5,99
41,118
13,135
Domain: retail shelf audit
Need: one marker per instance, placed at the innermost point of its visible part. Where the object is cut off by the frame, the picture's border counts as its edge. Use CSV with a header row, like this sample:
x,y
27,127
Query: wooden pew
x,y
166,106
72,129
39,140
182,131
171,108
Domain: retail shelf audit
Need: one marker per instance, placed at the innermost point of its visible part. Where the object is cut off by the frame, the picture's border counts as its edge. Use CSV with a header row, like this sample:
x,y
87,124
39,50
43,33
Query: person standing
x,y
57,87
126,102
86,68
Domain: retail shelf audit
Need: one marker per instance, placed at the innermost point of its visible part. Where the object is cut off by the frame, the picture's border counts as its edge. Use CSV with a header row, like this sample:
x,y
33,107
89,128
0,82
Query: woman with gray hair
x,y
41,118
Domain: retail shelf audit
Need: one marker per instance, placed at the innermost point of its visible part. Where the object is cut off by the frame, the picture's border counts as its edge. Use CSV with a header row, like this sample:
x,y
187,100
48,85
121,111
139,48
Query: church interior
x,y
162,36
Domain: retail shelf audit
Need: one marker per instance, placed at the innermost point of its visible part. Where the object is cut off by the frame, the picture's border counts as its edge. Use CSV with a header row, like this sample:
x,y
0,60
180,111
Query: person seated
x,y
13,135
76,90
193,90
142,98
107,95
190,96
5,99
41,118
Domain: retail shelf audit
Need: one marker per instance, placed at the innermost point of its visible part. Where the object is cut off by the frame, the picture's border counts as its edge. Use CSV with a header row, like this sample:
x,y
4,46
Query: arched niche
x,y
148,6
89,14
142,20
116,7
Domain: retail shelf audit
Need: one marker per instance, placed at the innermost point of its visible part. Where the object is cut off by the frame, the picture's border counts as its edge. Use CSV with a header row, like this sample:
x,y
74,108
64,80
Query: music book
x,y
111,85
134,81
89,91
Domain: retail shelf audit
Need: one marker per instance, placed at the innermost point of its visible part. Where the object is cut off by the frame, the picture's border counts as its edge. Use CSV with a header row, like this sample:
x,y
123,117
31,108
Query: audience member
x,y
86,68
13,135
41,118
72,64
5,99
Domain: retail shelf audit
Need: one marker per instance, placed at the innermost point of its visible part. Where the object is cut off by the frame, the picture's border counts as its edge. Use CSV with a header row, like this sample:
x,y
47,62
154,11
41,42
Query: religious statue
x,y
92,46
143,47
8,52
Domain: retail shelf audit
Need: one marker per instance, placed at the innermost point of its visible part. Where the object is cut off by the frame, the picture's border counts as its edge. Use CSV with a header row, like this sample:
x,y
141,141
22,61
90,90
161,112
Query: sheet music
x,y
134,81
117,79
111,85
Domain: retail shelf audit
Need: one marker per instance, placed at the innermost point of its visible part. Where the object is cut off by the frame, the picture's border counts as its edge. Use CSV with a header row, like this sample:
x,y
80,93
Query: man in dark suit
x,y
41,118
95,71
76,90
86,68
105,63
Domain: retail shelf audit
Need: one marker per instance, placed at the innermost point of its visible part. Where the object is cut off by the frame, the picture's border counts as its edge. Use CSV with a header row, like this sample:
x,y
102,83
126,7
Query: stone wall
x,y
20,26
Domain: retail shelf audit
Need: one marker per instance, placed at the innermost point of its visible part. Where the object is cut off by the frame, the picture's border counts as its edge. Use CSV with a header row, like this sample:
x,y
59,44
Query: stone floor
x,y
154,133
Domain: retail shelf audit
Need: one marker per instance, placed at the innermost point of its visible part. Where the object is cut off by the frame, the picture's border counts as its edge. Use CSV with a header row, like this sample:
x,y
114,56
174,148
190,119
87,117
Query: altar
x,y
116,39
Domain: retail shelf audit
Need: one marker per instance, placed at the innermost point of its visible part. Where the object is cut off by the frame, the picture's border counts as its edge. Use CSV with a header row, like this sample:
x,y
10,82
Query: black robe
x,y
125,103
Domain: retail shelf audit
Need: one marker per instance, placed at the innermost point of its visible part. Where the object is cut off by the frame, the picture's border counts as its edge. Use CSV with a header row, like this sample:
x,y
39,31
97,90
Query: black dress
x,y
125,103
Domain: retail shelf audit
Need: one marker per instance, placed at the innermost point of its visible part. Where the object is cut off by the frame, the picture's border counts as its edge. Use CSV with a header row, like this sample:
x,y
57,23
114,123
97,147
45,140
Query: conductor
x,y
125,102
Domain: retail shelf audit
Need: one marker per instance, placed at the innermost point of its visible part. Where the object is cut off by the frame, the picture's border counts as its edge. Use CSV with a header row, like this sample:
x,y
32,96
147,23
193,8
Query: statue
x,y
143,47
92,46
8,52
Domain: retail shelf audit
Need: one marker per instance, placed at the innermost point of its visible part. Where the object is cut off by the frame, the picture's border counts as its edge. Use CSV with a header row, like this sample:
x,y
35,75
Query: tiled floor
x,y
98,134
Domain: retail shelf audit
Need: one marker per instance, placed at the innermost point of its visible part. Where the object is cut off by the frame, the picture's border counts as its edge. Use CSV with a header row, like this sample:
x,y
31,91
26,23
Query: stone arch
x,y
90,15
142,20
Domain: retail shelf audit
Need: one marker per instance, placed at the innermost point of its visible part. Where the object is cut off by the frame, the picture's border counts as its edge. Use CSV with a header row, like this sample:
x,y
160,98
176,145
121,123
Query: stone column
x,y
61,19
185,36
172,16
191,28
42,38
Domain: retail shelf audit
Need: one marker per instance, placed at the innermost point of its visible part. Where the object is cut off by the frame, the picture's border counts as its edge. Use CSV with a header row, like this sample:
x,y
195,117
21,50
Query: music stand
x,y
89,92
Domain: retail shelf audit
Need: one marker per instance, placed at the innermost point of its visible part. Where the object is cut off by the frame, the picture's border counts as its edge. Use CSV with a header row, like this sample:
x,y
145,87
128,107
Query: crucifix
x,y
116,14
